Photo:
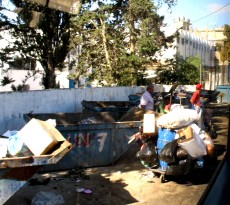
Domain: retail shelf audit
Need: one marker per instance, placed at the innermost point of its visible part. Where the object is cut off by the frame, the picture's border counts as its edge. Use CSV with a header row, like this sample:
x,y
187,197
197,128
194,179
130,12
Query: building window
x,y
186,41
182,41
178,40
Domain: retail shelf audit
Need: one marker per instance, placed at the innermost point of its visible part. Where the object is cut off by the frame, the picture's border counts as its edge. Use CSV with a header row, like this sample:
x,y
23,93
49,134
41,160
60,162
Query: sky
x,y
202,13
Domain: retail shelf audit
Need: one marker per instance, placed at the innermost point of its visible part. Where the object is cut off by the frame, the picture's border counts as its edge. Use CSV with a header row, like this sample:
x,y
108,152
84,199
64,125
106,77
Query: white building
x,y
201,43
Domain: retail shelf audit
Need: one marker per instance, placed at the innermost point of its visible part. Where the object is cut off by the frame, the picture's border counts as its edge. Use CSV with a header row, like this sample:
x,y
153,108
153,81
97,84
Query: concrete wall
x,y
14,104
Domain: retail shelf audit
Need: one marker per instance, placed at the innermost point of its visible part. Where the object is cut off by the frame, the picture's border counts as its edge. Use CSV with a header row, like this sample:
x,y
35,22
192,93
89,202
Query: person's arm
x,y
161,107
193,98
142,107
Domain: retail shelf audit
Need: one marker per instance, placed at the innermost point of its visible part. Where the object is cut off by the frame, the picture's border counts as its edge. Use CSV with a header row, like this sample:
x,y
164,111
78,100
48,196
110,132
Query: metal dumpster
x,y
15,171
116,108
97,139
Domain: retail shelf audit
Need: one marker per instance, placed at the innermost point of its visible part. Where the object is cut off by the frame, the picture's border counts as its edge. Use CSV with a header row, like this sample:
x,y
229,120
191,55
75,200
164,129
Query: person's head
x,y
198,86
150,88
167,99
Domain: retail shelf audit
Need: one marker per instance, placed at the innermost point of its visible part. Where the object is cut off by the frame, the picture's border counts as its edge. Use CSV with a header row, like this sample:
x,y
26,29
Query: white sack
x,y
178,118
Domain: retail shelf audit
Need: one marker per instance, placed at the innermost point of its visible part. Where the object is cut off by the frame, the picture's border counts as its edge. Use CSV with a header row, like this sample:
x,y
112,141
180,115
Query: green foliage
x,y
118,40
179,71
17,88
114,42
47,42
224,48
6,80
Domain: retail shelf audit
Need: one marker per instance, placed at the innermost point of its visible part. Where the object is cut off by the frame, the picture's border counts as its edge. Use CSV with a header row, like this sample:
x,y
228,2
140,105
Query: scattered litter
x,y
87,191
58,178
83,190
148,175
80,190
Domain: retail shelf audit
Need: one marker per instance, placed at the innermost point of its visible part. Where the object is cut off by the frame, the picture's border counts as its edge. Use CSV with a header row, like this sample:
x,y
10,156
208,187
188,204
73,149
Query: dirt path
x,y
127,182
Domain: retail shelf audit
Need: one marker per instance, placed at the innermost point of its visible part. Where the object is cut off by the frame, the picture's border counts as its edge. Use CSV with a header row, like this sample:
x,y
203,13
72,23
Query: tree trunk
x,y
107,56
132,30
49,79
132,40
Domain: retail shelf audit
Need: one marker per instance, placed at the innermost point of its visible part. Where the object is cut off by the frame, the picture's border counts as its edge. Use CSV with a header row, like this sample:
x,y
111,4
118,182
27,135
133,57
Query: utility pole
x,y
201,73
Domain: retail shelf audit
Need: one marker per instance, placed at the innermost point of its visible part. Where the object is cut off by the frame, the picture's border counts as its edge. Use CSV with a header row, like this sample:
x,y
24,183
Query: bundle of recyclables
x,y
181,141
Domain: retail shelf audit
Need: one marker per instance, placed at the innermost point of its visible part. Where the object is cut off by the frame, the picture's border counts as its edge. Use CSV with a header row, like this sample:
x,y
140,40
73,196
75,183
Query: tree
x,y
224,48
48,42
179,71
118,40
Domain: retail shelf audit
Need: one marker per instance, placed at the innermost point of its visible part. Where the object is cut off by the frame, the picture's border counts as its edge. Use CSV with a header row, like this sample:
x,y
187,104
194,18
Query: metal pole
x,y
200,73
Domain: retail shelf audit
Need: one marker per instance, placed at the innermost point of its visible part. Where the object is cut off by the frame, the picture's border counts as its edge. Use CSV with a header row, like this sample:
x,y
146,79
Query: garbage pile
x,y
181,144
36,138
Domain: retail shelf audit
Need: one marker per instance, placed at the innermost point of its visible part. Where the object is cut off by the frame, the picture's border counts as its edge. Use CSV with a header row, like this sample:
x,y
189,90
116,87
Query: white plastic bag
x,y
16,146
177,118
52,122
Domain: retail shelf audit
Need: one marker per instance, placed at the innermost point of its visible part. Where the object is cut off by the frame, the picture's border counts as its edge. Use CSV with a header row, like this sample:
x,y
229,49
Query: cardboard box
x,y
40,136
149,124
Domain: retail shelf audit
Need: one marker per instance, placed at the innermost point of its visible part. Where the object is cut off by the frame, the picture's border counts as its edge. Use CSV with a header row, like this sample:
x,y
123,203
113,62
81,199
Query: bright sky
x,y
202,13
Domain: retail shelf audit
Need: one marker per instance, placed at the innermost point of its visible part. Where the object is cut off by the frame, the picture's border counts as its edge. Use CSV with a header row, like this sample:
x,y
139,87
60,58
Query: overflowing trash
x,y
15,143
178,146
23,152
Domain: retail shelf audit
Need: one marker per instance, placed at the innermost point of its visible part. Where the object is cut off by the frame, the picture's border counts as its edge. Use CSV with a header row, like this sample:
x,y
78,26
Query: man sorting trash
x,y
146,101
195,99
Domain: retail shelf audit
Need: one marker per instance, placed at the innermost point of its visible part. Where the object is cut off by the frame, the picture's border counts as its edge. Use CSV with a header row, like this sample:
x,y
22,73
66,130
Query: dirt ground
x,y
127,182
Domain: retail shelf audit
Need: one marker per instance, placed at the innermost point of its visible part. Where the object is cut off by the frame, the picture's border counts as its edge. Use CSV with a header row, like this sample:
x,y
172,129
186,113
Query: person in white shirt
x,y
146,101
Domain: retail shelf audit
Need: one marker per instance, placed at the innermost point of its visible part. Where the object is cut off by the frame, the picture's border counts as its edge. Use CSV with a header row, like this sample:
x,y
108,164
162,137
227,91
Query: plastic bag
x,y
148,155
182,167
16,147
47,198
178,118
168,152
181,153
